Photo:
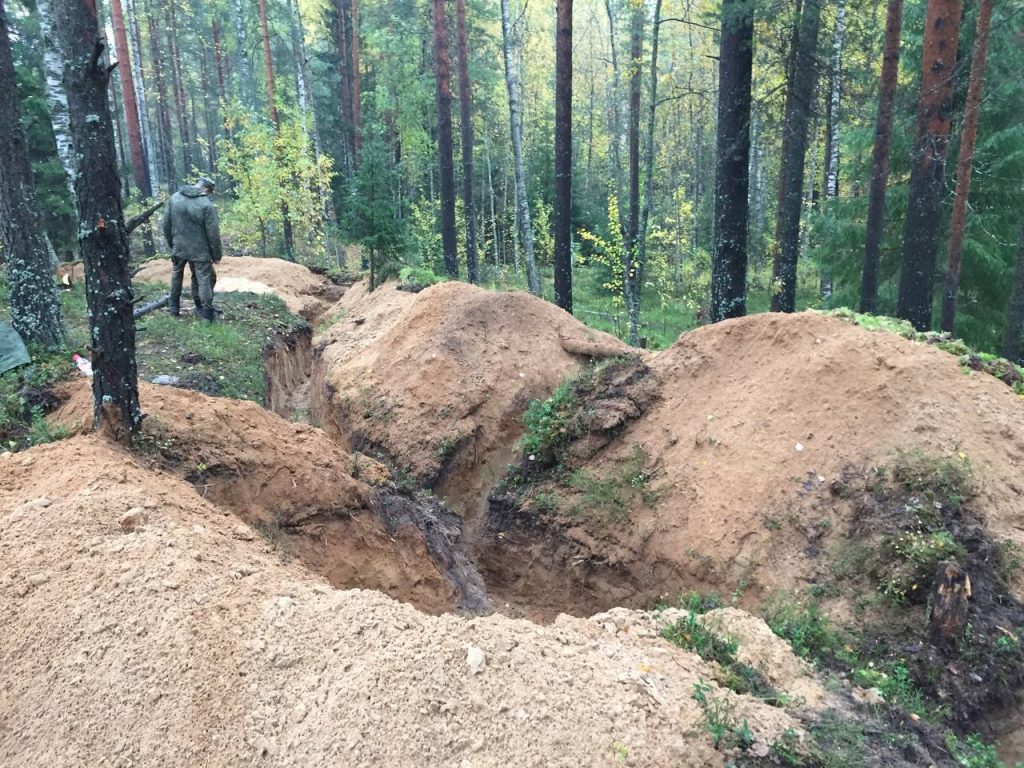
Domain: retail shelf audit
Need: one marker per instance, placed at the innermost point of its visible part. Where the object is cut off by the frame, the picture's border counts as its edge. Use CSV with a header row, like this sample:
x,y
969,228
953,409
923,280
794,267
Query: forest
x,y
649,165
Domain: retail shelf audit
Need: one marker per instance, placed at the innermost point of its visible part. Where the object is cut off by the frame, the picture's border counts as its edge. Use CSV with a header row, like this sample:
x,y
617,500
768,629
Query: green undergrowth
x,y
971,360
225,358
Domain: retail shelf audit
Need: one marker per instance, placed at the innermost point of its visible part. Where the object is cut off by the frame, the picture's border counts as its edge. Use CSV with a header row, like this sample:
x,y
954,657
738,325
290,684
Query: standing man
x,y
193,234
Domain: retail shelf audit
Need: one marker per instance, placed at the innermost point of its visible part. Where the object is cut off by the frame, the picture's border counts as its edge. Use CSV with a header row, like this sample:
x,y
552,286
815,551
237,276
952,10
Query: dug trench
x,y
641,478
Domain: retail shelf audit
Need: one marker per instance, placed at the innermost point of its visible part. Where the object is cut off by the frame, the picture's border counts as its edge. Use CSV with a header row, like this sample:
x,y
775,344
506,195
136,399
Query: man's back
x,y
191,227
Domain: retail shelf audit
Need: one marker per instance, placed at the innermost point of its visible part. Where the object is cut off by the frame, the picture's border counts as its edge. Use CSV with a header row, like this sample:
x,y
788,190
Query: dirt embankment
x,y
438,380
142,626
305,294
723,481
335,511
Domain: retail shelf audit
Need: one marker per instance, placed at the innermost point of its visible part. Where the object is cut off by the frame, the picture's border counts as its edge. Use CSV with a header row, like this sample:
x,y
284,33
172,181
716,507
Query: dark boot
x,y
207,313
174,309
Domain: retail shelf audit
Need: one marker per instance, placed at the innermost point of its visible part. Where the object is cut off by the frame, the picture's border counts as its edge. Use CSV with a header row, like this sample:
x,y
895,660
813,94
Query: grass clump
x,y
802,624
611,497
719,719
551,425
973,752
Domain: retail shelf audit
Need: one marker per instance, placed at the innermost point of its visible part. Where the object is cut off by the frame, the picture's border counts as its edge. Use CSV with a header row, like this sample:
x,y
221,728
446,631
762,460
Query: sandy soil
x,y
754,419
141,627
439,380
304,293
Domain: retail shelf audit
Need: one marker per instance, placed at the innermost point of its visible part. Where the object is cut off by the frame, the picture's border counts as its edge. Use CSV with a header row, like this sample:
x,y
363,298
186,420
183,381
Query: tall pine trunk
x,y
797,120
138,75
131,111
515,107
357,86
880,158
35,309
346,90
968,135
178,86
446,167
268,62
1013,341
732,171
934,116
102,235
631,268
466,125
163,110
615,122
648,149
562,223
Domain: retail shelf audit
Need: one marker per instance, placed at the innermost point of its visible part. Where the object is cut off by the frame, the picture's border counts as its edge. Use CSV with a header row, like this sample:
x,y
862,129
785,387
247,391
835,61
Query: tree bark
x,y
268,61
615,122
102,235
246,77
563,155
968,135
934,115
357,97
524,222
1013,340
163,111
631,267
949,604
131,110
648,151
797,120
466,125
35,309
442,77
346,90
880,158
56,98
732,172
138,75
835,99
178,85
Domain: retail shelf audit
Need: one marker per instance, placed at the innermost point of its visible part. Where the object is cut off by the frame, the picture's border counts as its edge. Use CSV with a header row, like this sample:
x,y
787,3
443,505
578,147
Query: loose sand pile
x,y
439,380
753,421
303,292
141,627
308,496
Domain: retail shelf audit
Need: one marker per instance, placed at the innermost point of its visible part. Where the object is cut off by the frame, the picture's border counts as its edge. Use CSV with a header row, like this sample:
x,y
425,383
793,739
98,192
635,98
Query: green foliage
x,y
914,557
973,752
802,624
690,634
418,277
371,216
269,169
894,681
719,719
551,425
610,498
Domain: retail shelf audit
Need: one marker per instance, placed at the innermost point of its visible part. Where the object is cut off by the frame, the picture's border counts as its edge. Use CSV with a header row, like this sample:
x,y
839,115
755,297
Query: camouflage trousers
x,y
204,279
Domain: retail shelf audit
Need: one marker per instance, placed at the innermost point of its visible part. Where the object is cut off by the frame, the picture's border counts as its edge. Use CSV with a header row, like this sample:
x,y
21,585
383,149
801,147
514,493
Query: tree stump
x,y
949,603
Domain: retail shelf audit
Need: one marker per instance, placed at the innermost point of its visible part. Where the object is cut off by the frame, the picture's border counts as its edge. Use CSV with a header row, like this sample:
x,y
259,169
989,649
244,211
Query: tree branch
x,y
136,221
687,21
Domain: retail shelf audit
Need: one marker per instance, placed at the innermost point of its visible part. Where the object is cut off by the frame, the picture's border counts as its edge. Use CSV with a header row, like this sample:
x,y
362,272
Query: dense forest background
x,y
319,119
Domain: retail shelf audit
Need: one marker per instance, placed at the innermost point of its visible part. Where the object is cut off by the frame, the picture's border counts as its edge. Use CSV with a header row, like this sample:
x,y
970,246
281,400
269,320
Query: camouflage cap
x,y
207,182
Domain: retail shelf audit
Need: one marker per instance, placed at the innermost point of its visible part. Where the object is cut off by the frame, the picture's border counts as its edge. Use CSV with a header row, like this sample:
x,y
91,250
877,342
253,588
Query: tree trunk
x,y
516,129
138,74
346,90
834,104
732,172
934,114
466,124
442,75
615,122
357,97
645,210
880,158
131,110
949,604
178,85
102,235
35,309
268,61
56,98
631,268
968,135
246,77
797,120
563,155
162,107
1013,340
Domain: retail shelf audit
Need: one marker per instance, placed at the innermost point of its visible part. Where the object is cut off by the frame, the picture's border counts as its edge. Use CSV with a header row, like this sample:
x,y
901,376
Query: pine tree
x,y
35,309
442,75
563,155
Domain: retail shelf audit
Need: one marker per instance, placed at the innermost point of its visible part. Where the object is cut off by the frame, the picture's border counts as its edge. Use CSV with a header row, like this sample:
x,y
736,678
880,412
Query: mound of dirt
x,y
303,292
724,480
141,628
305,494
438,380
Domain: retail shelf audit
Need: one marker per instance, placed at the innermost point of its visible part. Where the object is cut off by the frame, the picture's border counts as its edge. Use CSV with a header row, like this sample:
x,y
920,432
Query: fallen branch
x,y
136,221
145,309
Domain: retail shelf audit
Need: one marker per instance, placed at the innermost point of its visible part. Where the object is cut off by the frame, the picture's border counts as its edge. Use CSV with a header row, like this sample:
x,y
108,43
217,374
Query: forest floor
x,y
752,519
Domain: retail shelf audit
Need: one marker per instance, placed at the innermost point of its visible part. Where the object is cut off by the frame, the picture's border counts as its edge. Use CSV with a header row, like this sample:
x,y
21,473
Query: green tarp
x,y
12,349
